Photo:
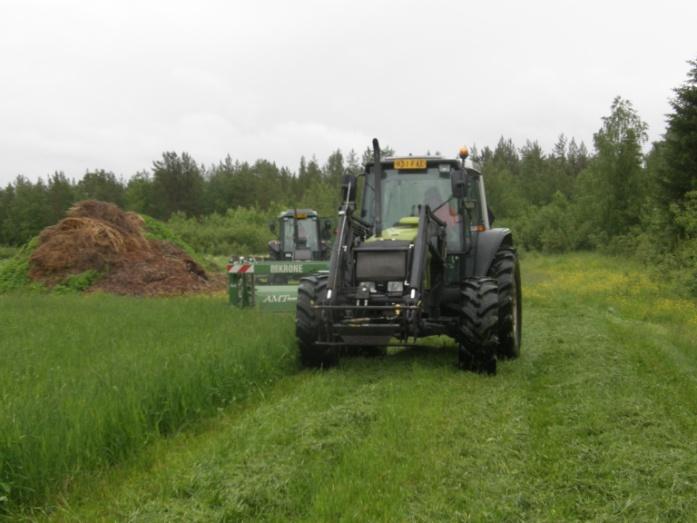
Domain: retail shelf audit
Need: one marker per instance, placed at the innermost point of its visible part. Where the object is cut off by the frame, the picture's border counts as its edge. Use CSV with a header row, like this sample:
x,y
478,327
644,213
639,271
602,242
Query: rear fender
x,y
487,243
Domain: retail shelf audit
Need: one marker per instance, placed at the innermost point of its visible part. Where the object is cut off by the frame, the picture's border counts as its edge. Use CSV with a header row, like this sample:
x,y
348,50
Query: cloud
x,y
113,84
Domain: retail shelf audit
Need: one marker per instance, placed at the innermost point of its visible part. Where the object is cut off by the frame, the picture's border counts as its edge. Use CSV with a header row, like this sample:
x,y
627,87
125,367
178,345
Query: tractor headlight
x,y
367,286
395,286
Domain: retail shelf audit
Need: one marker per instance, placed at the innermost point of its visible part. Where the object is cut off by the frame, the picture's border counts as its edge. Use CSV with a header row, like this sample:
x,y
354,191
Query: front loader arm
x,y
339,251
429,240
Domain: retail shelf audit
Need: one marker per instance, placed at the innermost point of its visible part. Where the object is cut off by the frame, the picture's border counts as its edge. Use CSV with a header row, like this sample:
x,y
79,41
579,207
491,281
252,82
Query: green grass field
x,y
86,381
7,252
596,421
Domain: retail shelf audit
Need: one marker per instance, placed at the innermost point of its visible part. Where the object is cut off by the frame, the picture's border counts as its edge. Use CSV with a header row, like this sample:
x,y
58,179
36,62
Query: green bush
x,y
553,227
78,282
7,251
239,231
157,230
685,252
14,272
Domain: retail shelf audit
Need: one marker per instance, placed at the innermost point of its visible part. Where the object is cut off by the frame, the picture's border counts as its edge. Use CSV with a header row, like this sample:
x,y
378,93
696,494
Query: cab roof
x,y
388,162
301,213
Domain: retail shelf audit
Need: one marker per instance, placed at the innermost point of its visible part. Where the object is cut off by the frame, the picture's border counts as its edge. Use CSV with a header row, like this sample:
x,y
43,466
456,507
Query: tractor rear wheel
x,y
308,324
506,270
478,330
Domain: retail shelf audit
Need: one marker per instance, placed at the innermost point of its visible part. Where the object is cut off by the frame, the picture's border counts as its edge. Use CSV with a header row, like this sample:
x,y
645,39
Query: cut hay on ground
x,y
98,236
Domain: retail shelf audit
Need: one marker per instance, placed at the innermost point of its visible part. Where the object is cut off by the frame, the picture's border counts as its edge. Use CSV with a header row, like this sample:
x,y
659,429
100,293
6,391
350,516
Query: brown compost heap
x,y
98,236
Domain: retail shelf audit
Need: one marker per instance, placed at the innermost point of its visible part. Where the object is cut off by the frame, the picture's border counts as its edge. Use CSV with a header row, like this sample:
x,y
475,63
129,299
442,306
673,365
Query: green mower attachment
x,y
269,285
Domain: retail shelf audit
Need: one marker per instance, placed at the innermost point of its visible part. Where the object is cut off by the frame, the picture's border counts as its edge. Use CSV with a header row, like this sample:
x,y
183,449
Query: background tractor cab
x,y
272,283
301,236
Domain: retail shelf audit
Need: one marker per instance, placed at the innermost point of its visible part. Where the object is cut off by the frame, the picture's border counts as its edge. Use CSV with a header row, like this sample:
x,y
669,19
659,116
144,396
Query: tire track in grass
x,y
263,463
459,445
318,431
565,416
442,439
601,446
659,424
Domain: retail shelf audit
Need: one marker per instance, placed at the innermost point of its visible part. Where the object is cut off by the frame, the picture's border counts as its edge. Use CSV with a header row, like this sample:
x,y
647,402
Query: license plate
x,y
410,163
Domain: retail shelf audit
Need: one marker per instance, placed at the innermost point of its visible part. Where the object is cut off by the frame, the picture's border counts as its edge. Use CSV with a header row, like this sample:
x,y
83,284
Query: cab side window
x,y
473,196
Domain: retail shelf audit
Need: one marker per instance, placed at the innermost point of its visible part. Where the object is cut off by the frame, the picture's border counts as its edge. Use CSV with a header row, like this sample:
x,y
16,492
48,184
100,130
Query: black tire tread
x,y
505,269
478,330
307,324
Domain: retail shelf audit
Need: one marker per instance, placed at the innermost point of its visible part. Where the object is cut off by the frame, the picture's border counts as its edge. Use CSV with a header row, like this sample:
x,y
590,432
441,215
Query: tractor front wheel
x,y
308,324
478,331
506,270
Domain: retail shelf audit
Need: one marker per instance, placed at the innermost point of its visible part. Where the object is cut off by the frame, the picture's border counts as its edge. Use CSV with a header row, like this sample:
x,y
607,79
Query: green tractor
x,y
417,257
272,283
302,236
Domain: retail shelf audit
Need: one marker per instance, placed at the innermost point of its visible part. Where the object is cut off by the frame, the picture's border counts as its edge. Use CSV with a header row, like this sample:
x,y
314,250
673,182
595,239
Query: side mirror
x,y
348,188
326,229
275,249
272,226
458,182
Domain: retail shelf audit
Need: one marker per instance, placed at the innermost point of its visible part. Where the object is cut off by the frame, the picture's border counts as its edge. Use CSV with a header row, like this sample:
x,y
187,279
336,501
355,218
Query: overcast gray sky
x,y
112,84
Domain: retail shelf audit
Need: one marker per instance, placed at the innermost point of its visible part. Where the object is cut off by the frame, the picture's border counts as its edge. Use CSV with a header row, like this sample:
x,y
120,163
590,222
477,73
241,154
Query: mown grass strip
x,y
86,381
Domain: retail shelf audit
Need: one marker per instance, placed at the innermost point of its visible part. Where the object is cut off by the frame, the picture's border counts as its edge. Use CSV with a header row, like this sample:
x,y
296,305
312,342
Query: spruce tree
x,y
678,174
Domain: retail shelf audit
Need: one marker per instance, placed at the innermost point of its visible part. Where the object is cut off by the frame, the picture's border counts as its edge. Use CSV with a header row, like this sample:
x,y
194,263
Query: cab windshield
x,y
307,231
404,191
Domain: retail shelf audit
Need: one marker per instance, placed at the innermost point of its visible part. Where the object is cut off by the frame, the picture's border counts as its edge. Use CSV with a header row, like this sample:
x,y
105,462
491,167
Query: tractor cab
x,y
301,236
409,183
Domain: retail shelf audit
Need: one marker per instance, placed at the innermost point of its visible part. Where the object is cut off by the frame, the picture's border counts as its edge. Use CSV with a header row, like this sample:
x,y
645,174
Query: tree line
x,y
175,184
615,197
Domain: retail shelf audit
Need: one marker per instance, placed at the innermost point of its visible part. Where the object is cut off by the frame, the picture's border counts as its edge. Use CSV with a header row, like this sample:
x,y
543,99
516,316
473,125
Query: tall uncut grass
x,y
85,381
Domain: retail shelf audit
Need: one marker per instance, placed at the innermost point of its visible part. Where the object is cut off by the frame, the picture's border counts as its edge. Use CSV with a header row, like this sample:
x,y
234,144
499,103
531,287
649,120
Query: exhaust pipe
x,y
377,186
